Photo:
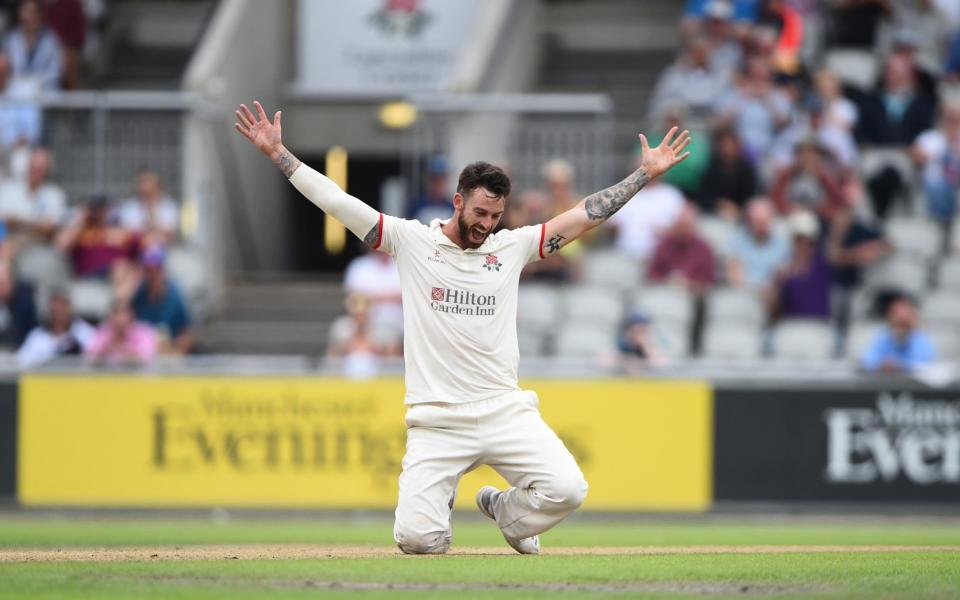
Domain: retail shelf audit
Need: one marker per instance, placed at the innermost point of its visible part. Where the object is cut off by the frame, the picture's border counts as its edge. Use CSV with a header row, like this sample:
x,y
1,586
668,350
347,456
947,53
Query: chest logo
x,y
492,263
436,258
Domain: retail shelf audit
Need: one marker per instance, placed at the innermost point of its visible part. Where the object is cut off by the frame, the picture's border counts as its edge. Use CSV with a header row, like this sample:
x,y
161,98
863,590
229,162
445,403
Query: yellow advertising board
x,y
330,443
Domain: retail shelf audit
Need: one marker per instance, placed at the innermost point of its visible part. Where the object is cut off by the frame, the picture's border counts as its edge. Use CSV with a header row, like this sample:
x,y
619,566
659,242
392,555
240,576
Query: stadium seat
x,y
920,238
946,342
859,337
531,343
726,340
941,308
186,267
856,68
734,305
593,304
91,298
613,270
538,307
950,275
665,303
42,265
585,340
673,338
718,233
900,272
803,339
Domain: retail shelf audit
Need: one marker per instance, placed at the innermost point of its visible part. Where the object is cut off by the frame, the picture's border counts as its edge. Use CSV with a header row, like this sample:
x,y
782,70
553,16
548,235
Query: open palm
x,y
670,152
266,136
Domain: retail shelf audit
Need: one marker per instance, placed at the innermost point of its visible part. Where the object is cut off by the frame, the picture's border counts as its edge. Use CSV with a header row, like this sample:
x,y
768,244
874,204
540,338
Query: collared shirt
x,y
917,350
459,309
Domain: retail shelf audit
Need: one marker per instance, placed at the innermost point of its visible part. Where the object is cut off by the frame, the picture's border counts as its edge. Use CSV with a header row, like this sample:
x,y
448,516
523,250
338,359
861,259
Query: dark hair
x,y
483,174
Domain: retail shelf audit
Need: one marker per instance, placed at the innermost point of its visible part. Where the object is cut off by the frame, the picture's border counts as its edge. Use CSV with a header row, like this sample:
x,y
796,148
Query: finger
x,y
670,134
683,137
261,114
249,114
644,144
681,158
244,132
682,146
276,120
242,119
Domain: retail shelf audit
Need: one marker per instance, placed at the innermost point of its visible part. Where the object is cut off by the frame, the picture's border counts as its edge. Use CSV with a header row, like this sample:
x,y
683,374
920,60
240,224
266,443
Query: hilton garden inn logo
x,y
462,302
918,439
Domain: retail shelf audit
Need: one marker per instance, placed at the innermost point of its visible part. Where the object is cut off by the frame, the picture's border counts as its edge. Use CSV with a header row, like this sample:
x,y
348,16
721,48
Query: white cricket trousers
x,y
444,441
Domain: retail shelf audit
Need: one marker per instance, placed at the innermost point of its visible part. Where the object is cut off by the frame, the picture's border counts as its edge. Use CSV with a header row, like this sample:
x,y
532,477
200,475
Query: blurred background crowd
x,y
814,220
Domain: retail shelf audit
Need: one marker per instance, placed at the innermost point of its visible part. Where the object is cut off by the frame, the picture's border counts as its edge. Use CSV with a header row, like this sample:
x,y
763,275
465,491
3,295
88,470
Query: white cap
x,y
803,223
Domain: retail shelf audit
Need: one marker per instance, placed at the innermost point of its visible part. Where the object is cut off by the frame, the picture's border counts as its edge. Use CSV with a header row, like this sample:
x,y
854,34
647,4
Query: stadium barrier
x,y
307,441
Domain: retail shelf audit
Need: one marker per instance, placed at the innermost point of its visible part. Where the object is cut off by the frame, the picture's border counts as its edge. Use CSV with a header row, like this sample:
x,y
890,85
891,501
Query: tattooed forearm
x,y
553,244
286,162
373,236
602,205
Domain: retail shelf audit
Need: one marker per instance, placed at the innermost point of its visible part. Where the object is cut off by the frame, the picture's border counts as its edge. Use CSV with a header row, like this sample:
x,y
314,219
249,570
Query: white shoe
x,y
485,499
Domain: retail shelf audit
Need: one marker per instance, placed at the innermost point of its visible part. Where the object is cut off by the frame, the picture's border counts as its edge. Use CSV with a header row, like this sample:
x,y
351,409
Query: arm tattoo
x,y
553,244
373,236
287,163
602,205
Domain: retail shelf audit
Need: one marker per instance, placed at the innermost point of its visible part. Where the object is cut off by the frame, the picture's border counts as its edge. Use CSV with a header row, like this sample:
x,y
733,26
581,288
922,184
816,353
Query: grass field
x,y
348,557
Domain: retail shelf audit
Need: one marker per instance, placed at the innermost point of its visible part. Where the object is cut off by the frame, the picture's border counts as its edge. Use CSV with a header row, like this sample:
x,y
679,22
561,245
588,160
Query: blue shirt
x,y
169,310
760,260
916,352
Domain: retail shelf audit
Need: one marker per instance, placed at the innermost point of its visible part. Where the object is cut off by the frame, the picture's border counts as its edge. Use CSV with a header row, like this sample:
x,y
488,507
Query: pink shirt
x,y
140,344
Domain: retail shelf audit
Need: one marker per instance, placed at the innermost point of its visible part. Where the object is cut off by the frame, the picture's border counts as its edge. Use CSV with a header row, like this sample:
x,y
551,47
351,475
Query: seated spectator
x,y
838,111
758,251
637,343
19,119
743,12
852,245
534,208
67,19
559,185
755,108
158,301
857,22
923,26
690,83
122,340
937,152
683,256
812,182
62,334
374,276
18,312
730,179
802,287
352,340
34,50
906,45
436,201
838,145
899,111
34,207
720,31
899,347
786,25
100,249
152,214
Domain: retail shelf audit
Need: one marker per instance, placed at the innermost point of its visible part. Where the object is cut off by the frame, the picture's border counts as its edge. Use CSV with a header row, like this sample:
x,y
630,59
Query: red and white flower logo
x,y
438,294
403,18
493,263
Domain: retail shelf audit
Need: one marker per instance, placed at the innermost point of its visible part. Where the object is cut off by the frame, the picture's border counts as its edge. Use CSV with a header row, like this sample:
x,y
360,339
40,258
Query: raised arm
x,y
597,208
355,215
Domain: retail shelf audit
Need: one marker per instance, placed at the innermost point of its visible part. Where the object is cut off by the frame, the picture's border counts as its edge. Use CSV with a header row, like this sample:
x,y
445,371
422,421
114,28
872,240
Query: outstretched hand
x,y
259,130
670,152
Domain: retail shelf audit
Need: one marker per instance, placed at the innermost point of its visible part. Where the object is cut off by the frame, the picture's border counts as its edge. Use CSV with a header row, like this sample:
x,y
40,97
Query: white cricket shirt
x,y
459,309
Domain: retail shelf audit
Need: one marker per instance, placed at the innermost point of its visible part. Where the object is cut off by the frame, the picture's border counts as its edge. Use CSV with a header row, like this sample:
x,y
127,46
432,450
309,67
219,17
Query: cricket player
x,y
459,288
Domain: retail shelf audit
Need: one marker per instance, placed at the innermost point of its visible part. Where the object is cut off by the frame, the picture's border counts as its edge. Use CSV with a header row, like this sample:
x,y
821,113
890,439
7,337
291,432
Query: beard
x,y
465,229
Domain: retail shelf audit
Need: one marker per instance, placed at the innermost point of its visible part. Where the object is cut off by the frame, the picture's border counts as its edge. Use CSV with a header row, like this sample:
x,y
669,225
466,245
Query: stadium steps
x,y
287,316
616,47
148,43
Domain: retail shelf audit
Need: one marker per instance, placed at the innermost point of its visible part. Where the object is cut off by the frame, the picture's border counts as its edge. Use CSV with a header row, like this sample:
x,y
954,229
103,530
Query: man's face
x,y
60,311
478,212
148,185
38,167
121,318
902,317
30,18
759,218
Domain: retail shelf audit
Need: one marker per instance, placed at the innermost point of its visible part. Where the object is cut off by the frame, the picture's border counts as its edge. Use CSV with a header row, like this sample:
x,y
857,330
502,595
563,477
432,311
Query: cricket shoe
x,y
485,499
